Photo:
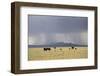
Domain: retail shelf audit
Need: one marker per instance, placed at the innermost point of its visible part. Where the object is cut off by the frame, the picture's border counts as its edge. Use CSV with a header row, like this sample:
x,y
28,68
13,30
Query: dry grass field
x,y
58,53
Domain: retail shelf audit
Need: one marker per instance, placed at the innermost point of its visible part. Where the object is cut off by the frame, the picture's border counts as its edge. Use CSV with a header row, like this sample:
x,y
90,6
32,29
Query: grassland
x,y
58,53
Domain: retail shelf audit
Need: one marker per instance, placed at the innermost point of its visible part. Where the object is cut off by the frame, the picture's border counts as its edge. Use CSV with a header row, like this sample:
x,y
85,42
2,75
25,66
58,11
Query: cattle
x,y
73,48
46,49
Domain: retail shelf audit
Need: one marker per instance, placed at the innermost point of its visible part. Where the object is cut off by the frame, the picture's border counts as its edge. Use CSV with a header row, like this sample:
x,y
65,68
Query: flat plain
x,y
57,53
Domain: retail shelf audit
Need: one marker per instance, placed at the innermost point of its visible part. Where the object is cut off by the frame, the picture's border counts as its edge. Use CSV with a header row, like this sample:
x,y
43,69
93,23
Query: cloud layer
x,y
76,38
48,29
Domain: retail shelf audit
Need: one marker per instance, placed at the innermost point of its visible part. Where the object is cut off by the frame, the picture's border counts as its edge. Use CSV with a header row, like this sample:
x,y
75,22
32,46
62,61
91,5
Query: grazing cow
x,y
73,48
46,49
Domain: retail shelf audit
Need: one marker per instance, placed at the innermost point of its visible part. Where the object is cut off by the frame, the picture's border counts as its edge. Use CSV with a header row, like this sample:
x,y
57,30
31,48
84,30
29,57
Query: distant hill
x,y
59,44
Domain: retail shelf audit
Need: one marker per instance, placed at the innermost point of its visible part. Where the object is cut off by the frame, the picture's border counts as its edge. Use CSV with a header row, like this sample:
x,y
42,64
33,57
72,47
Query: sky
x,y
44,29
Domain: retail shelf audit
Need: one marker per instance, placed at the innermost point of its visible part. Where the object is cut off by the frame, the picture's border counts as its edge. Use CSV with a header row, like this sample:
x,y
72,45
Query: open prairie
x,y
57,53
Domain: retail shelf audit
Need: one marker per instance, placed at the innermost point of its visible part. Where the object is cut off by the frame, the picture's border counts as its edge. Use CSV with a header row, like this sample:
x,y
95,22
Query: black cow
x,y
46,49
73,48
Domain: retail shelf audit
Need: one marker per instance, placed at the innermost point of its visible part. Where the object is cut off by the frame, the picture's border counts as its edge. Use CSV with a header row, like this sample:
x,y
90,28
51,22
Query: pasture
x,y
57,53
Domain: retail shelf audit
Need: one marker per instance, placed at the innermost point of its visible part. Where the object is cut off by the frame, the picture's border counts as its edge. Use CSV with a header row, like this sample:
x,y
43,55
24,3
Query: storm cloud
x,y
48,29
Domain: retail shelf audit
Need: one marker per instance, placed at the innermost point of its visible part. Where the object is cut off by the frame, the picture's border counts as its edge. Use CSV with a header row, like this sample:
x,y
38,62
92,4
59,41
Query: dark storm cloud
x,y
48,29
56,24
